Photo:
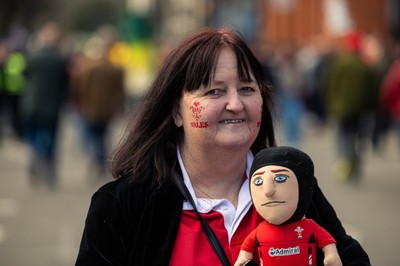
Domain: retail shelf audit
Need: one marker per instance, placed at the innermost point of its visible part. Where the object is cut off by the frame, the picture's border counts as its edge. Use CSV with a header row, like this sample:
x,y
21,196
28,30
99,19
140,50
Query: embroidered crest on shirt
x,y
299,231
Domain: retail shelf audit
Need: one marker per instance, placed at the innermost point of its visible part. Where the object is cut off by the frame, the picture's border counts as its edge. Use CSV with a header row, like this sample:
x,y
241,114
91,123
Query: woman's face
x,y
227,113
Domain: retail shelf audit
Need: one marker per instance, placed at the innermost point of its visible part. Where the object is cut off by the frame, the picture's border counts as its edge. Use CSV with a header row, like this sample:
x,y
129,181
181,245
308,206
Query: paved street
x,y
43,228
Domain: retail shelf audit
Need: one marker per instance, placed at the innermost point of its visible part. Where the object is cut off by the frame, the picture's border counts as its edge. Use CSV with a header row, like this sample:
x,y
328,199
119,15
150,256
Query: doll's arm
x,y
331,256
246,249
244,256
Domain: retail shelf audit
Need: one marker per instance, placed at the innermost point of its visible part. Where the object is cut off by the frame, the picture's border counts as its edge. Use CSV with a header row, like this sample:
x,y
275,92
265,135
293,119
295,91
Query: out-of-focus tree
x,y
70,14
22,12
90,15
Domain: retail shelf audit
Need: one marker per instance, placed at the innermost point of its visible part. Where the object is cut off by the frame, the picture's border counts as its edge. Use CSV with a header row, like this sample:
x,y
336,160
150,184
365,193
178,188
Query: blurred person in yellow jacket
x,y
12,80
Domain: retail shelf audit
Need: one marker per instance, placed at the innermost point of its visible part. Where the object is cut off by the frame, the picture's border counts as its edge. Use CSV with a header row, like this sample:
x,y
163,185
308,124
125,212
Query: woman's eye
x,y
258,181
280,178
247,90
214,92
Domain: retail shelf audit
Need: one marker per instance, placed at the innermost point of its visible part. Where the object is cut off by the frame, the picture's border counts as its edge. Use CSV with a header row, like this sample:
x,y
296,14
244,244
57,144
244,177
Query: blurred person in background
x,y
3,59
204,117
390,92
13,81
351,98
98,95
373,53
316,103
290,94
44,94
12,64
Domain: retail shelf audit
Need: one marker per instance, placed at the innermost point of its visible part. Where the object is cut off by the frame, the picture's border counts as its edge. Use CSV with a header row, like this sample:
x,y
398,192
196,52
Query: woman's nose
x,y
234,103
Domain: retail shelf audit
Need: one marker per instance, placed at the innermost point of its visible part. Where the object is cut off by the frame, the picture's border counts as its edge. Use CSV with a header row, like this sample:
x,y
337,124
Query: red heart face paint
x,y
196,109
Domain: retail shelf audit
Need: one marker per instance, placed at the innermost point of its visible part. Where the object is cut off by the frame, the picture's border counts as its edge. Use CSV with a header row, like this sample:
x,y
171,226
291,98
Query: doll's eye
x,y
280,178
257,181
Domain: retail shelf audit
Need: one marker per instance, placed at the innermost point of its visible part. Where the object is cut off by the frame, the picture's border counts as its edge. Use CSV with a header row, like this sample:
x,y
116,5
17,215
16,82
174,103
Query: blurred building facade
x,y
274,20
280,20
296,20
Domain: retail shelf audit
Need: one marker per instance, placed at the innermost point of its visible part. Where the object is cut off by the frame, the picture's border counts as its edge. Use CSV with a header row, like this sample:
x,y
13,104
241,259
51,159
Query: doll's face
x,y
275,193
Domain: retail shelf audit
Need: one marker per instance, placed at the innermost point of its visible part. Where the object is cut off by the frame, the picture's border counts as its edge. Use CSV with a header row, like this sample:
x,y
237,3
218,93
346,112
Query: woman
x,y
205,115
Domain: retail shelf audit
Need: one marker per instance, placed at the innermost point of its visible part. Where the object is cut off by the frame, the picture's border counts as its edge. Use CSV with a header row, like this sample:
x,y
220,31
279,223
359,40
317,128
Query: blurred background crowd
x,y
333,65
331,61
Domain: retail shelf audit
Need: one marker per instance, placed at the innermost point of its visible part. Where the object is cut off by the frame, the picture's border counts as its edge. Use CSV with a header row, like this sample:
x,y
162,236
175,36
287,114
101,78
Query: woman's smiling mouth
x,y
232,121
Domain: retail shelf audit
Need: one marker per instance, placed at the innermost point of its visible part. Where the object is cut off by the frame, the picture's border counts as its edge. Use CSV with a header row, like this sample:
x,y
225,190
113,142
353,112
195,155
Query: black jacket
x,y
131,224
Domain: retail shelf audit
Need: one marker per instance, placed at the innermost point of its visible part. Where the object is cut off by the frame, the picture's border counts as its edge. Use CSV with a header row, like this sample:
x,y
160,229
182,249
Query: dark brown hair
x,y
148,150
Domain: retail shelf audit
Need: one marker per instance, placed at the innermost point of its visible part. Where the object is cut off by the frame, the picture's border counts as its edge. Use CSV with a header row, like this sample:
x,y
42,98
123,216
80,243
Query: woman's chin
x,y
235,144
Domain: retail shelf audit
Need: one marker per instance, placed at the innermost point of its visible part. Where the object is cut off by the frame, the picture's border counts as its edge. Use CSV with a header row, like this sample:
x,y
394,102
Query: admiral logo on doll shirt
x,y
284,251
290,250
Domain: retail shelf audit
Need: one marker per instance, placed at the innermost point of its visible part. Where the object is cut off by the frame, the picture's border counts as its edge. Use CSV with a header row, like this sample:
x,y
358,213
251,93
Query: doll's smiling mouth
x,y
273,203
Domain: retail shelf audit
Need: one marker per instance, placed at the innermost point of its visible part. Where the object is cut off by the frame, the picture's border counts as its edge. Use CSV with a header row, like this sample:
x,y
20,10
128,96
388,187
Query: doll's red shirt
x,y
291,244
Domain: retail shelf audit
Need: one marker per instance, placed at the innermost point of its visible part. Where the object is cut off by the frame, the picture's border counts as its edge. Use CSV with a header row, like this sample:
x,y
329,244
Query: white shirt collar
x,y
232,216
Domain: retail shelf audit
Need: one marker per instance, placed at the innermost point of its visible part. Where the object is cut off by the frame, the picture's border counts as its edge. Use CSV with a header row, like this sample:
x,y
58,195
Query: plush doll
x,y
281,186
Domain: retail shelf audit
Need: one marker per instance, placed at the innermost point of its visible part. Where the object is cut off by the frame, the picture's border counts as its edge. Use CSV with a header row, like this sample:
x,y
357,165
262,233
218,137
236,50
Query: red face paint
x,y
196,109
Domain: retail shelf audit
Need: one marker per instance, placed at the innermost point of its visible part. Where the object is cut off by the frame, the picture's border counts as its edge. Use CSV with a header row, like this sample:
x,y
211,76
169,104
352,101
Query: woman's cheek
x,y
196,109
260,116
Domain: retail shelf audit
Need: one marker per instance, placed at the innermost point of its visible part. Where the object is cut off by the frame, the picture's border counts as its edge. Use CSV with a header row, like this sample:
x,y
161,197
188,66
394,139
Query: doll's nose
x,y
269,187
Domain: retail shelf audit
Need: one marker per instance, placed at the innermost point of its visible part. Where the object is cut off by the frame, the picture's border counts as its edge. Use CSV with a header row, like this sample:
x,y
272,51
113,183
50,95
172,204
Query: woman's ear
x,y
177,116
